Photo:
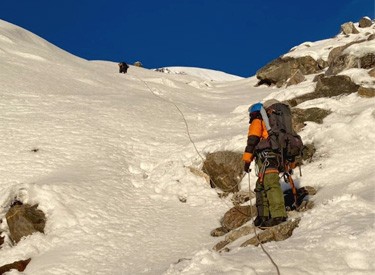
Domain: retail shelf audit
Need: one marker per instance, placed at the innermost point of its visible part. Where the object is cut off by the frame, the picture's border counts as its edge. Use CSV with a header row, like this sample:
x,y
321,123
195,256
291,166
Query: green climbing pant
x,y
270,197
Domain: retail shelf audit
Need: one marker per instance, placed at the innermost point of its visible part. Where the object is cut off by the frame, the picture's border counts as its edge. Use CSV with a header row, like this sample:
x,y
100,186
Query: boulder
x,y
24,220
365,22
225,169
328,87
238,216
372,73
19,265
349,28
308,152
367,61
278,71
366,92
335,86
296,78
242,197
277,233
300,116
337,61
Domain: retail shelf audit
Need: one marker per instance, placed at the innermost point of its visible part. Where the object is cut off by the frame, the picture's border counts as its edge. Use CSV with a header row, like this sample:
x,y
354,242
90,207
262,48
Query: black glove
x,y
247,167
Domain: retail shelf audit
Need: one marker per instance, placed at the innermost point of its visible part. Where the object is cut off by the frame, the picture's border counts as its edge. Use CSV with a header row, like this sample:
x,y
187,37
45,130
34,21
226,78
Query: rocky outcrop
x,y
300,116
337,61
24,220
328,87
225,169
296,78
280,70
365,22
349,28
238,216
19,265
277,233
366,92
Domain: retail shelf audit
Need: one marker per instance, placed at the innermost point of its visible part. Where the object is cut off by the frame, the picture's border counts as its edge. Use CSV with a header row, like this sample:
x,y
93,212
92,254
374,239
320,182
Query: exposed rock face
x,y
366,92
349,28
300,116
365,22
237,216
372,73
24,220
296,78
278,71
19,265
328,87
277,233
338,61
308,152
335,85
225,169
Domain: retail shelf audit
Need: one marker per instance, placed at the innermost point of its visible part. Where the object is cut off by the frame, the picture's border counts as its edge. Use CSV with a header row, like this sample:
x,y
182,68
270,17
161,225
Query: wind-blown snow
x,y
113,164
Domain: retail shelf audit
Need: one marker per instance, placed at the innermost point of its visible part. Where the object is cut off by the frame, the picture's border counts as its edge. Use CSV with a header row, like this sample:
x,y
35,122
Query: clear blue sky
x,y
234,36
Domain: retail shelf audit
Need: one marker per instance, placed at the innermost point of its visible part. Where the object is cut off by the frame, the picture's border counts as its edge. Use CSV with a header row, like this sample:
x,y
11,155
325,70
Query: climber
x,y
269,196
123,67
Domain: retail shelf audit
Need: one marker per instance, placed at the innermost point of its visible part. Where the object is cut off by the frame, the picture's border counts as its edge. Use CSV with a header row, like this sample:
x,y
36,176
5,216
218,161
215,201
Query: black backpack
x,y
281,136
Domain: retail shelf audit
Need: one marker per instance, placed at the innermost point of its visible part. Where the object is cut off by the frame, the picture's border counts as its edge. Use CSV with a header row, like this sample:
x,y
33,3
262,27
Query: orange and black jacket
x,y
257,132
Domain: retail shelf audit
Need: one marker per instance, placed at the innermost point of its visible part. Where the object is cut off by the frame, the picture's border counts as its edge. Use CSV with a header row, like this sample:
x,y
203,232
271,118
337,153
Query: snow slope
x,y
113,164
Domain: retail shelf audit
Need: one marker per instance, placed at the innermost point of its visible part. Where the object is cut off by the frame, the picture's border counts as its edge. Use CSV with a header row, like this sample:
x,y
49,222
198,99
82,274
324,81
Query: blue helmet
x,y
255,107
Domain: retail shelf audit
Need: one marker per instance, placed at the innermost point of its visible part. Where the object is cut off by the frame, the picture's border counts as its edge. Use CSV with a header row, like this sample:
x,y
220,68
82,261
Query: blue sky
x,y
234,36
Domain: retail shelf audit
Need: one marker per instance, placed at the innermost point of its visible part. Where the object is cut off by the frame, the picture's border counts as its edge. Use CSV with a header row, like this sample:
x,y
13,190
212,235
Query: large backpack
x,y
281,136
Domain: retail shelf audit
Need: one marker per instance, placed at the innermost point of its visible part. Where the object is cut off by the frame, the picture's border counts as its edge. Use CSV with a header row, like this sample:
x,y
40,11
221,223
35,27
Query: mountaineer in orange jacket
x,y
269,196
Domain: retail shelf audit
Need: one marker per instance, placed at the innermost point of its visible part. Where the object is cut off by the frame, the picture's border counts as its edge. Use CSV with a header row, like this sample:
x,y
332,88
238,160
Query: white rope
x,y
257,236
195,147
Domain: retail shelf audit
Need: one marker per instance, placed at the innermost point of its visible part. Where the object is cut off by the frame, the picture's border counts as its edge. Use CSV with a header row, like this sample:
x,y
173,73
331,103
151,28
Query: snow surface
x,y
113,164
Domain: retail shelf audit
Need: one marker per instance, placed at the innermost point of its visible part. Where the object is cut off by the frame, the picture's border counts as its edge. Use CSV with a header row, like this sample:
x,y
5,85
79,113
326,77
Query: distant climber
x,y
123,67
269,196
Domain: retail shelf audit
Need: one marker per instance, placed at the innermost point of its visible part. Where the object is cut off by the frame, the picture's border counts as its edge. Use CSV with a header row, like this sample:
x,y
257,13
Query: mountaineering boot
x,y
260,220
274,221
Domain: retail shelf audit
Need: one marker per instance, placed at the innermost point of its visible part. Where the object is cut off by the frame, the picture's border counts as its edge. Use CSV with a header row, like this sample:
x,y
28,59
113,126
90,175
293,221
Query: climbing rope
x,y
257,236
199,154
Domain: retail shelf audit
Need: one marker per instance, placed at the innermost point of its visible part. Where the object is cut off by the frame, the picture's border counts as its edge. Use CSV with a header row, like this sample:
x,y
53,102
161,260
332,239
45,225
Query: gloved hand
x,y
247,167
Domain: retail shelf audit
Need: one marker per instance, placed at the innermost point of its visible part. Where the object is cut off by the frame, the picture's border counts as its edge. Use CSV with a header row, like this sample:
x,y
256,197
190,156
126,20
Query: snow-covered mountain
x,y
106,157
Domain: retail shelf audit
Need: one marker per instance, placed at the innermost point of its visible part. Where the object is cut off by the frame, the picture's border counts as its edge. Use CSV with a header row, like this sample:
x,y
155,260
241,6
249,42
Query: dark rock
x,y
278,71
277,233
218,232
328,87
241,197
220,245
237,216
225,170
317,77
335,86
366,92
338,61
19,265
24,220
296,78
300,116
367,61
372,73
365,22
308,152
349,28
